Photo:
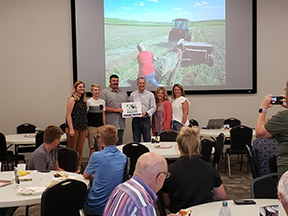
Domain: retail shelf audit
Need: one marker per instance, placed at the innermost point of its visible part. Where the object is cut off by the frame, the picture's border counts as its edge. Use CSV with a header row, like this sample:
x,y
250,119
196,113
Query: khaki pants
x,y
93,132
76,142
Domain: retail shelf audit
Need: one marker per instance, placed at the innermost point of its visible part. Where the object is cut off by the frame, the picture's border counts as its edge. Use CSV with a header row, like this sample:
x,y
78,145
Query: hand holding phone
x,y
276,100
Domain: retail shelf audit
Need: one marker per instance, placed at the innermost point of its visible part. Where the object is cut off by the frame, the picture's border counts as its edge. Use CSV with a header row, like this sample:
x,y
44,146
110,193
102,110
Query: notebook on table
x,y
214,124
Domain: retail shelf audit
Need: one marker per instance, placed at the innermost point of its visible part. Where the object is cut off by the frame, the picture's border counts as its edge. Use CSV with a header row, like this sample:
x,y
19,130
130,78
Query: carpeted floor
x,y
237,187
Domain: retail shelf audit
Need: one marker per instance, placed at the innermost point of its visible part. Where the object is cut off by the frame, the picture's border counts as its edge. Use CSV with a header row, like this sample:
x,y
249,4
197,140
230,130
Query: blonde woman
x,y
180,108
161,119
193,181
76,117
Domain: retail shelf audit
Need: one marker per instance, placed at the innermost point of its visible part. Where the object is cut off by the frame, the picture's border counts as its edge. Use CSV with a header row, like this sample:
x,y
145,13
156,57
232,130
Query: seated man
x,y
106,170
283,191
45,157
137,196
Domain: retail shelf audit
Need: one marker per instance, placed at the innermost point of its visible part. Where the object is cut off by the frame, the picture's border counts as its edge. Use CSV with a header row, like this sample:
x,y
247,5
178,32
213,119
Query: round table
x,y
10,196
28,138
171,153
213,208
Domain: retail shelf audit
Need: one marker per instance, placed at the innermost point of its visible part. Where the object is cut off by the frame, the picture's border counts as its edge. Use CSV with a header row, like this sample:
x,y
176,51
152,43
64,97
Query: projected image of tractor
x,y
193,53
180,30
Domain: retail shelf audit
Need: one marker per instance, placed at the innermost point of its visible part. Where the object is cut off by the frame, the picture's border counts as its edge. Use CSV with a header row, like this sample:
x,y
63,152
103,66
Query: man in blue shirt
x,y
105,169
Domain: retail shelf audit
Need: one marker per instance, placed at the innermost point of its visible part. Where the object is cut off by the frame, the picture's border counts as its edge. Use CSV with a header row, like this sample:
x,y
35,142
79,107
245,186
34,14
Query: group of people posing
x,y
104,107
106,167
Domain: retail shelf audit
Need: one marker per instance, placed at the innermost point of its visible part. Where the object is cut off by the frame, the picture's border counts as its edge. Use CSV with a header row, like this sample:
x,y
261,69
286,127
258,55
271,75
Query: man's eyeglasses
x,y
168,174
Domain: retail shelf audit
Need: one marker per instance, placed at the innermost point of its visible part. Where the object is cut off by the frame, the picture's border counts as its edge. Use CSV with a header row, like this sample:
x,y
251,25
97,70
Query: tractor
x,y
180,30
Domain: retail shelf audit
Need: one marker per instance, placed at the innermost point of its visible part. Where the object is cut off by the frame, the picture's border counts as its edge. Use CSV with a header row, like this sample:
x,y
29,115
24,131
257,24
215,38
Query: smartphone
x,y
276,100
244,202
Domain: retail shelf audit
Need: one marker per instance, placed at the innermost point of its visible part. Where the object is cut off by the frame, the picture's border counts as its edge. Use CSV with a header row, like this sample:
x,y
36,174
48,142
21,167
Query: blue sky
x,y
164,10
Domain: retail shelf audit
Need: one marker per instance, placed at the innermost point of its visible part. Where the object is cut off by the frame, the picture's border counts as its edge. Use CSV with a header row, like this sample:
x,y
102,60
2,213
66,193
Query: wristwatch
x,y
261,110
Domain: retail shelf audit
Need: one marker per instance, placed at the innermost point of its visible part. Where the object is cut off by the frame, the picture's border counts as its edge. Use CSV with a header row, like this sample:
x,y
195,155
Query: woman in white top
x,y
180,108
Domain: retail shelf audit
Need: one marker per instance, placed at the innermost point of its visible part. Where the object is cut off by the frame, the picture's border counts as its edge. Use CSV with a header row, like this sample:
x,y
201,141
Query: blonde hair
x,y
74,92
189,141
181,88
164,93
109,134
95,86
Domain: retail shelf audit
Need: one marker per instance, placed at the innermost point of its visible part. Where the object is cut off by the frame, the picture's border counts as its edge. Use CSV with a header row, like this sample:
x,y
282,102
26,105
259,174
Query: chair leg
x,y
241,162
229,168
225,163
27,210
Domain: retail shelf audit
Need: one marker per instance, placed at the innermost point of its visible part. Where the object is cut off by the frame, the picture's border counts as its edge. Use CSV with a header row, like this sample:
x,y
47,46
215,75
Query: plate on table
x,y
164,146
5,182
25,178
31,190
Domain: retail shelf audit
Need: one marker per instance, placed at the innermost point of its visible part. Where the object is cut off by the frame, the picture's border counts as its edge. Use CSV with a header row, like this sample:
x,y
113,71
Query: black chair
x,y
63,128
127,169
160,204
273,164
251,162
218,150
206,149
232,122
65,198
240,136
134,151
265,186
168,135
7,157
193,122
22,129
68,159
39,138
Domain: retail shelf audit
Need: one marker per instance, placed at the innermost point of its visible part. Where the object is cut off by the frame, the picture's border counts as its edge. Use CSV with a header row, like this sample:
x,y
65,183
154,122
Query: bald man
x,y
137,196
283,191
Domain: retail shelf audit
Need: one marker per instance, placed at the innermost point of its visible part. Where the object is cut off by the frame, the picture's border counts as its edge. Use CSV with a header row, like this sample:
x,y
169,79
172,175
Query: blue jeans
x,y
141,126
120,136
151,78
175,125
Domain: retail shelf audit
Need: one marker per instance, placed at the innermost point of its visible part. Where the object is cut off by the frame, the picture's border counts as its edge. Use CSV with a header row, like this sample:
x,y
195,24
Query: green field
x,y
122,37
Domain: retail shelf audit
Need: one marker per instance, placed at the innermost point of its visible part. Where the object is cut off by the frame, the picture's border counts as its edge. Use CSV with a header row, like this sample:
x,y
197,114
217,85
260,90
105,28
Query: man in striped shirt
x,y
137,196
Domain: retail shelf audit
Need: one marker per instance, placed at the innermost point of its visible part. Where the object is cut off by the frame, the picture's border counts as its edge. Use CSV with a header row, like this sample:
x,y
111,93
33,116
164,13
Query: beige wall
x,y
36,65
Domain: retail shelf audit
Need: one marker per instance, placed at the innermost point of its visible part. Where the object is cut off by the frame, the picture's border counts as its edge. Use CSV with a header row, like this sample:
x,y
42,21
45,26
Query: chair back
x,y
251,162
206,149
134,151
127,169
65,198
26,128
3,146
39,138
265,186
68,159
193,122
232,122
168,135
63,127
240,136
273,164
218,149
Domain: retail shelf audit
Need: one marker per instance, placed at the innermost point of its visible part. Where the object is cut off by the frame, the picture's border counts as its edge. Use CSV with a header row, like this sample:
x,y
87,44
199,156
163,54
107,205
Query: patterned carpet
x,y
237,187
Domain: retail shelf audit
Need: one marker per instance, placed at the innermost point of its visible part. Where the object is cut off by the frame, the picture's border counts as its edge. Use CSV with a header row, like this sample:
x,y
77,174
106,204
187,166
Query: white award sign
x,y
131,109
